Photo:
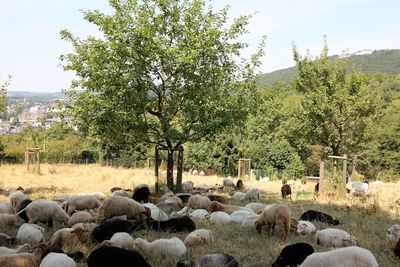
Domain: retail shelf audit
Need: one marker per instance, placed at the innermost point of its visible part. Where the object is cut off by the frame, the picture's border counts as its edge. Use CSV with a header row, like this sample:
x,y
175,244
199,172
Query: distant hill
x,y
387,61
34,97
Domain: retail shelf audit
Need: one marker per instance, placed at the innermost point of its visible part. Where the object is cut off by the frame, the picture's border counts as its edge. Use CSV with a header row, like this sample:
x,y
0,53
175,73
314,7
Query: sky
x,y
30,44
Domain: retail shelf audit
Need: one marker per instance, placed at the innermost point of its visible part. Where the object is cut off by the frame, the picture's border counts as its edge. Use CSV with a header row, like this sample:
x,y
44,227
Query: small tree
x,y
3,97
165,72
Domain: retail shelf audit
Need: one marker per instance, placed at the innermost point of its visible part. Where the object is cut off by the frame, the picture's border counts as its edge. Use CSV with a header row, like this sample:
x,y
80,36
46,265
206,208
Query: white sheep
x,y
150,206
23,259
121,240
44,211
173,247
5,208
393,232
334,237
82,202
240,215
249,222
359,188
343,257
66,238
16,197
80,217
174,200
21,249
121,193
220,217
88,228
228,182
159,215
30,233
198,202
117,206
305,228
8,219
238,196
180,213
199,237
255,206
252,194
57,259
187,186
199,214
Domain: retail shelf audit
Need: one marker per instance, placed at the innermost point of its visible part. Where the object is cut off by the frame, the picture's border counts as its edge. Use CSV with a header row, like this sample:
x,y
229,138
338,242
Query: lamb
x,y
210,260
277,214
180,224
286,190
16,198
23,259
187,186
293,255
220,217
216,206
117,206
20,249
8,219
218,198
109,227
334,237
83,202
393,232
228,182
313,215
343,257
240,215
121,240
22,206
6,239
5,208
305,228
255,206
249,222
80,217
114,256
198,202
253,194
199,237
141,194
45,211
238,195
173,247
57,259
30,233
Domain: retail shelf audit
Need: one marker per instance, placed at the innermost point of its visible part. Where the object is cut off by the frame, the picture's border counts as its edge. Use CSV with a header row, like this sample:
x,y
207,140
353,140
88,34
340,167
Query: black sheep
x,y
313,215
316,188
184,196
22,206
286,190
141,194
114,256
293,255
108,228
397,249
239,184
180,224
218,198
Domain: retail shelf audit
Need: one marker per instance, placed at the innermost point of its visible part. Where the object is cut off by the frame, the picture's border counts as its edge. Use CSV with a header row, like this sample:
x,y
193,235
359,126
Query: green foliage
x,y
3,97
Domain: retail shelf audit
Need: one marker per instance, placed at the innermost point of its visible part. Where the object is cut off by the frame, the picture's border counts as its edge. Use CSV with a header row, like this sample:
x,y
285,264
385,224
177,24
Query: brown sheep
x,y
279,215
216,206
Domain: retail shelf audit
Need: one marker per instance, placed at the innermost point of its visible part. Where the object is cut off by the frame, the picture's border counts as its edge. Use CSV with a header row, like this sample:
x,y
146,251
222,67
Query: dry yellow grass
x,y
367,218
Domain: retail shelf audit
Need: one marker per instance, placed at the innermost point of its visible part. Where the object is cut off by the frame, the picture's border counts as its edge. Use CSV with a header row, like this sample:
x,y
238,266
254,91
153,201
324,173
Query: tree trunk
x,y
170,169
180,169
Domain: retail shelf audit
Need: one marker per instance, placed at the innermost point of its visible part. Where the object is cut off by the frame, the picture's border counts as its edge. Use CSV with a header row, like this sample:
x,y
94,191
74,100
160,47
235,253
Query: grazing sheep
x,y
396,250
88,228
179,213
121,240
172,206
184,196
180,224
277,214
249,222
218,198
255,206
216,206
141,194
359,188
22,206
20,249
238,196
174,200
80,217
173,247
83,202
6,239
228,182
66,238
293,255
286,190
114,256
253,194
305,228
23,259
120,193
45,211
57,259
220,217
239,184
393,232
331,237
30,233
198,202
240,215
159,215
109,227
150,206
117,206
5,208
8,219
210,260
187,186
199,214
16,198
199,237
313,215
343,257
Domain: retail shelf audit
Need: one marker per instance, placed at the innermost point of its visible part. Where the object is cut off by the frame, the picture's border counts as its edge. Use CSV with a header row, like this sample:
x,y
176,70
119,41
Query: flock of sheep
x,y
102,227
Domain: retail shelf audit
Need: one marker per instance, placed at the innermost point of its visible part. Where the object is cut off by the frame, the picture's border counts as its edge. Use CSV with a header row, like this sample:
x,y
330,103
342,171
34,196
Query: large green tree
x,y
338,108
165,72
3,97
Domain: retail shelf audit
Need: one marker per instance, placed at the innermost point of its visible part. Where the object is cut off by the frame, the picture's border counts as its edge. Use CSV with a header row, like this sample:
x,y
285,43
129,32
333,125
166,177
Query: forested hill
x,y
387,61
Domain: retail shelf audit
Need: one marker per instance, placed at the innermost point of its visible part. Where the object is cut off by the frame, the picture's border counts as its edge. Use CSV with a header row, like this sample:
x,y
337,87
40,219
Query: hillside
x,y
34,97
387,61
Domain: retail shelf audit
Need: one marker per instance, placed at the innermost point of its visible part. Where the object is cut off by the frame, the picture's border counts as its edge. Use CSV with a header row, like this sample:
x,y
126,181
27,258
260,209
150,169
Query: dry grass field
x,y
367,218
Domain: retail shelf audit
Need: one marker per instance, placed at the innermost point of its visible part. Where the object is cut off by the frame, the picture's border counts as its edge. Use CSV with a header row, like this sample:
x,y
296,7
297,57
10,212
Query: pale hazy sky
x,y
30,44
